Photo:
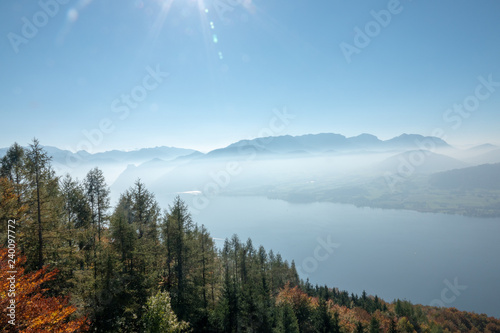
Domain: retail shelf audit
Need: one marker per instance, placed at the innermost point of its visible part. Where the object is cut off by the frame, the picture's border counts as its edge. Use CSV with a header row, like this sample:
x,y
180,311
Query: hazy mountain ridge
x,y
361,170
424,161
143,154
491,156
113,162
486,176
483,147
286,144
472,191
327,142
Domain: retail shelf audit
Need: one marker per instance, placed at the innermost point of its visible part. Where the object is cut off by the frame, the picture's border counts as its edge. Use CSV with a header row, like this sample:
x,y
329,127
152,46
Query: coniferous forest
x,y
83,265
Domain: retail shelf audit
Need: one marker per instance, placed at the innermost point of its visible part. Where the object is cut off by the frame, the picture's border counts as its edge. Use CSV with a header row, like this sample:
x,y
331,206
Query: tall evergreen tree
x,y
123,291
43,191
97,193
203,277
229,306
74,232
178,231
375,325
286,321
324,322
145,217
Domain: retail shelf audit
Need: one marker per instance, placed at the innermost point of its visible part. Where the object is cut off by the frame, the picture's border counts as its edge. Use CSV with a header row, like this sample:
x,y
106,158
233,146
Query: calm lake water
x,y
424,258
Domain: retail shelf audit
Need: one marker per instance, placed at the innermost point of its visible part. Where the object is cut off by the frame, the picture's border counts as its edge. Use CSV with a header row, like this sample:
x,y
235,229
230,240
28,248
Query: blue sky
x,y
70,75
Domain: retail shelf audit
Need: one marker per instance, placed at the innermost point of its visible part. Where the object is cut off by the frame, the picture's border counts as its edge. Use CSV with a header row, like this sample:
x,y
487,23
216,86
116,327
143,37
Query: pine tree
x,y
145,217
203,280
129,266
324,322
122,293
97,194
374,325
178,230
45,207
265,303
286,321
74,232
38,166
123,233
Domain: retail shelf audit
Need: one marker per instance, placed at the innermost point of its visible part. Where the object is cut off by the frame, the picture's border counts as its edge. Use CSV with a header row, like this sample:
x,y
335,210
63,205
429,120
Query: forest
x,y
83,265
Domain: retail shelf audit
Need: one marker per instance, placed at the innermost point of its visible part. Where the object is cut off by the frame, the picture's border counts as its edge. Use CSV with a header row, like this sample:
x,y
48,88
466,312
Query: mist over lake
x,y
391,253
243,166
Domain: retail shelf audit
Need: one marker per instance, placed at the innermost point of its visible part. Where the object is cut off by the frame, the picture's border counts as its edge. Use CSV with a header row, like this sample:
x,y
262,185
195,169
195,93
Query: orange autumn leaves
x,y
430,319
34,311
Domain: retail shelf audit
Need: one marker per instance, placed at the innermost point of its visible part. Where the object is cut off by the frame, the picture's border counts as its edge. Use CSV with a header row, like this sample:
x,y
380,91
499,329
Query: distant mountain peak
x,y
485,146
365,135
328,142
417,140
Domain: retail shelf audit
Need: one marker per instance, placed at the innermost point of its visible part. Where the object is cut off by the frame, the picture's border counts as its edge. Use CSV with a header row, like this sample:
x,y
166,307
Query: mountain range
x,y
323,143
320,167
315,156
330,143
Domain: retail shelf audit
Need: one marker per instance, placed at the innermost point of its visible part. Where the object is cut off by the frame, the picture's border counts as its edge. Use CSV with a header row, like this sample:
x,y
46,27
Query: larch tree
x,y
43,200
145,215
75,234
178,234
97,194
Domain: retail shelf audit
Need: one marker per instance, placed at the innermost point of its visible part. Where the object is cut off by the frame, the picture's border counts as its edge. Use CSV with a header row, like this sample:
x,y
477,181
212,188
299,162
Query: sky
x,y
201,74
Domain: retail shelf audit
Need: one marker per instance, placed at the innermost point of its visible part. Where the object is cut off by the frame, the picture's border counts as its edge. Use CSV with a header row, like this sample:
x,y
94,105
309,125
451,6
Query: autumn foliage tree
x,y
136,269
34,311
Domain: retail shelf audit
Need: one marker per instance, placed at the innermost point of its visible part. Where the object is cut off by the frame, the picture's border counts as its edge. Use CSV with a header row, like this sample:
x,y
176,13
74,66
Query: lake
x,y
421,257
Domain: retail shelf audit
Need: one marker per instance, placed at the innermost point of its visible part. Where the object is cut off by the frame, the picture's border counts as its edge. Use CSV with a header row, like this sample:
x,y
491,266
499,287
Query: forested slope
x,y
139,268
